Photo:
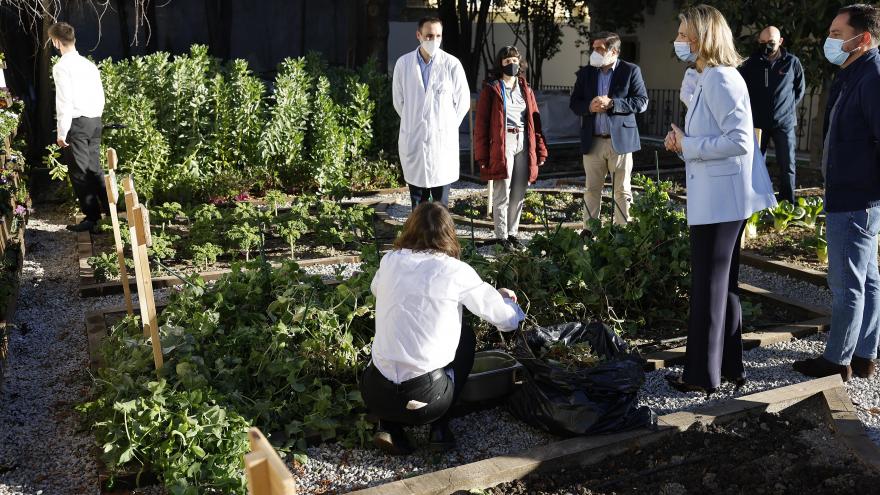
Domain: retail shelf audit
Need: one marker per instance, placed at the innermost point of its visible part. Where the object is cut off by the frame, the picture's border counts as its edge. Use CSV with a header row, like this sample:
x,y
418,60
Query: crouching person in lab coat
x,y
431,94
421,355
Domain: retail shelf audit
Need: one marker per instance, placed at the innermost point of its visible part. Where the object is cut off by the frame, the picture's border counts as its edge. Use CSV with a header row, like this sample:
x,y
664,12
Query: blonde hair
x,y
709,27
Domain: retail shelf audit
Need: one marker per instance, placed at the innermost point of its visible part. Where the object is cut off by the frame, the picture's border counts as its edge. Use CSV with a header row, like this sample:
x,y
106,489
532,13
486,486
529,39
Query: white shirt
x,y
78,90
419,298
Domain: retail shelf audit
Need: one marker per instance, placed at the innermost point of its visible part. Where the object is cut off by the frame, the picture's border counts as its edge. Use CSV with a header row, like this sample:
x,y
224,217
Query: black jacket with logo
x,y
775,88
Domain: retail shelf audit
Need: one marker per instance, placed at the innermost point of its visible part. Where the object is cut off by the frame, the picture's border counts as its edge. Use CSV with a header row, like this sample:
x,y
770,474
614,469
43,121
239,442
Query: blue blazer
x,y
726,179
630,97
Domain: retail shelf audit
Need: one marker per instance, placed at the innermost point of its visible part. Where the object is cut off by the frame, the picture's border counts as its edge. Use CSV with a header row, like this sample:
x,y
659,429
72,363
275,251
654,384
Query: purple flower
x,y
20,210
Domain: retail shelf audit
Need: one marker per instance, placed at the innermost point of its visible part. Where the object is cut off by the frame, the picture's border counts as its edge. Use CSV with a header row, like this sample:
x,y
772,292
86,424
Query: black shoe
x,y
392,440
441,438
84,226
515,243
737,382
678,383
505,245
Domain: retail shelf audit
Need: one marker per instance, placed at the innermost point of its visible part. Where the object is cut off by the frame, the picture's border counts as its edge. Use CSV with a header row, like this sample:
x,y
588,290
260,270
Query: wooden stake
x,y
266,472
141,220
130,204
113,198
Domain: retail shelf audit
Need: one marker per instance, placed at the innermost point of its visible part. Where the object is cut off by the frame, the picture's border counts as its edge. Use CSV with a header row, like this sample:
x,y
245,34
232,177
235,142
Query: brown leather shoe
x,y
820,367
863,367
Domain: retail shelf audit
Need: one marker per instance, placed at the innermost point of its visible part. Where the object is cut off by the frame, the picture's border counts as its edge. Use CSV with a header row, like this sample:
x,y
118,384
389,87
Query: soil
x,y
792,246
769,454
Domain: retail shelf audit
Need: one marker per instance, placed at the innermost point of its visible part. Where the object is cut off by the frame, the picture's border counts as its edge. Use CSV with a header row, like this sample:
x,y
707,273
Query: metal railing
x,y
665,107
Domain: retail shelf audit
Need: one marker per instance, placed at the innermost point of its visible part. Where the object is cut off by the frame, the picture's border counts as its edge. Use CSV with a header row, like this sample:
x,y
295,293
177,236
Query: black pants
x,y
388,400
83,160
714,343
785,144
419,195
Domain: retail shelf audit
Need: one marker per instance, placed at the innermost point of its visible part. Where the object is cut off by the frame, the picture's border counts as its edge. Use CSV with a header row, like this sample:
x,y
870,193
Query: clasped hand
x,y
600,104
674,139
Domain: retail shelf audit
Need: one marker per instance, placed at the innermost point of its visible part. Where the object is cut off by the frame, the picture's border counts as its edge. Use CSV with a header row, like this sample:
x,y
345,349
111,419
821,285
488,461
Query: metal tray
x,y
493,376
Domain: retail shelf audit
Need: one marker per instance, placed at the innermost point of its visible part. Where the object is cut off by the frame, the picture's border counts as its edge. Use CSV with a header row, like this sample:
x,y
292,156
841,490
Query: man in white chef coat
x,y
432,96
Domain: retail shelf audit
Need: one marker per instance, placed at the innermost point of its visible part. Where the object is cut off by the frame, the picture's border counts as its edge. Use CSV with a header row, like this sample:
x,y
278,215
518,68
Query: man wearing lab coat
x,y
432,96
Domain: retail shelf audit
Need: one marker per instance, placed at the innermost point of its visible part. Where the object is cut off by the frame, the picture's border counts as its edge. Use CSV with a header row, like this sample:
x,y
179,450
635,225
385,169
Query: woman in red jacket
x,y
508,142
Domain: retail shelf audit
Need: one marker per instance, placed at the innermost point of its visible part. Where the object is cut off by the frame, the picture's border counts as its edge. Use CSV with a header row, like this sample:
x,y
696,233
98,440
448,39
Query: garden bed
x,y
215,238
98,323
543,209
788,452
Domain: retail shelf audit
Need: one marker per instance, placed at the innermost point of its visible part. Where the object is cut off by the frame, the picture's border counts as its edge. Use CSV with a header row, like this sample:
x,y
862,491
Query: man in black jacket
x,y
775,79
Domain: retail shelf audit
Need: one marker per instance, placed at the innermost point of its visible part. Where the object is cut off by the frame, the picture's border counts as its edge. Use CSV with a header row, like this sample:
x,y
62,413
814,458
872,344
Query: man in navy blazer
x,y
607,95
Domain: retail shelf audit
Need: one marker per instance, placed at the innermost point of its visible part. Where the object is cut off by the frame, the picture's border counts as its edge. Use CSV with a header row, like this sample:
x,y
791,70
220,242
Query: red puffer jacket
x,y
490,132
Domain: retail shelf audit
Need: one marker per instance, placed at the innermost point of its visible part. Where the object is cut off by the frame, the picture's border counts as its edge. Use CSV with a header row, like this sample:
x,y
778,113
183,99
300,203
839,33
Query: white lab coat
x,y
429,120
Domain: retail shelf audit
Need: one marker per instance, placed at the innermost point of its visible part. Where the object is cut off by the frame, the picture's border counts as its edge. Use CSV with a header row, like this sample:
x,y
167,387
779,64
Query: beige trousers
x,y
598,163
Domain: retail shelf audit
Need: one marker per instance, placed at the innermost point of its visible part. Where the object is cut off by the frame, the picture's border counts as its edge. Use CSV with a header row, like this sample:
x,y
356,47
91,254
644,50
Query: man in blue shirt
x,y
851,165
775,78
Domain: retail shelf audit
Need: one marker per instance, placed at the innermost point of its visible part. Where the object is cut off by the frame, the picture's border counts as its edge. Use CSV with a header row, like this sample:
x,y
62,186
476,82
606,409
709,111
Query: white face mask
x,y
431,46
599,60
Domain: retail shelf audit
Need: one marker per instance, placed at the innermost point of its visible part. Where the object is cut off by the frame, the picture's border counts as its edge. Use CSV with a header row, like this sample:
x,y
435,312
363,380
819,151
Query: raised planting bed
x,y
208,239
99,323
820,424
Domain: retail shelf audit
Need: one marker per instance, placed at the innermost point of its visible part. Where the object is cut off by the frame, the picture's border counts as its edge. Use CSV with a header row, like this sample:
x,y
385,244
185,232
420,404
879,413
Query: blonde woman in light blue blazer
x,y
727,181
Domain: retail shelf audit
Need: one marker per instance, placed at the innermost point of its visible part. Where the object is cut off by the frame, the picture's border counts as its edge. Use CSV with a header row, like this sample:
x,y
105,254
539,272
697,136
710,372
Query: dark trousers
x,y
388,400
714,339
419,195
785,144
83,160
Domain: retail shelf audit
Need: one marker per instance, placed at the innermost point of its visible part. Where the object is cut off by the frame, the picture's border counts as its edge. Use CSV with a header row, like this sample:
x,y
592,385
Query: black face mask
x,y
768,49
510,69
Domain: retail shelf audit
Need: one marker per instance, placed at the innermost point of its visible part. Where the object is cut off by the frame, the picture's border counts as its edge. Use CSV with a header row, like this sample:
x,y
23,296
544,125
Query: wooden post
x,y
113,198
140,243
131,201
266,472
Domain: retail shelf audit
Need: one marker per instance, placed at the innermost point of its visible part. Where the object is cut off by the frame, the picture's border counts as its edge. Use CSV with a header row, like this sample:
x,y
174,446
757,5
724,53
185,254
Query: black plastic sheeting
x,y
585,401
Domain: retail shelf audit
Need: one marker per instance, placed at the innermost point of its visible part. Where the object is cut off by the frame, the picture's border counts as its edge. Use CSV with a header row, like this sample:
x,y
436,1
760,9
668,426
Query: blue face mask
x,y
834,50
683,51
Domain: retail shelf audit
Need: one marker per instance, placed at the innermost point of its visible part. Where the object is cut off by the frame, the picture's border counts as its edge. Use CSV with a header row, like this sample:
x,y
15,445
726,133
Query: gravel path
x,y
42,448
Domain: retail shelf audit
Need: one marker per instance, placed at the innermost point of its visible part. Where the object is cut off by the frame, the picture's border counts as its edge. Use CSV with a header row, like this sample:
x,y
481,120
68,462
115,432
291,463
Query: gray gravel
x,y
41,446
487,434
781,284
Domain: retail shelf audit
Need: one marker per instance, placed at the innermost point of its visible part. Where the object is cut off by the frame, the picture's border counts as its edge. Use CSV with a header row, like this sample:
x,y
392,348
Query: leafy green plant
x,y
812,207
291,229
163,246
244,237
166,214
751,230
275,198
52,160
784,213
106,266
205,254
205,224
821,245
